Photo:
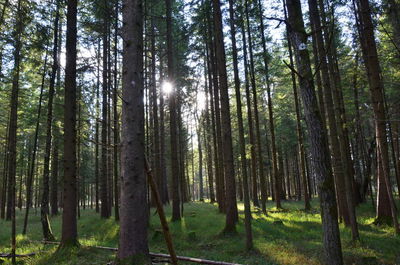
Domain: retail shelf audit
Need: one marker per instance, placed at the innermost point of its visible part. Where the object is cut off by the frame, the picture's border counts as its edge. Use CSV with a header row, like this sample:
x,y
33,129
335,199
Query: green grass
x,y
297,240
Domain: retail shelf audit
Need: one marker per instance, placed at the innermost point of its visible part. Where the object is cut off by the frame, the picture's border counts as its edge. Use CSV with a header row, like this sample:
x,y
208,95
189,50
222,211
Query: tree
x,y
318,138
242,143
69,234
104,183
12,129
386,207
229,170
173,116
300,142
44,212
133,246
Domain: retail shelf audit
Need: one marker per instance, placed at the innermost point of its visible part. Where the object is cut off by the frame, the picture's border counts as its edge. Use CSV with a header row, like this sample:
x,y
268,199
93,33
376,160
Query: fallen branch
x,y
159,255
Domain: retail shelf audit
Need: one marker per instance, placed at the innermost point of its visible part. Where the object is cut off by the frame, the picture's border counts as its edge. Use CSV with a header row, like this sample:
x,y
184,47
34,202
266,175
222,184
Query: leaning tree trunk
x,y
44,211
318,138
34,150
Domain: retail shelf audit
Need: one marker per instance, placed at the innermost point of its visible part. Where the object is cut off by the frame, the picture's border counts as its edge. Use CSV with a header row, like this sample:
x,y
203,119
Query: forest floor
x,y
295,240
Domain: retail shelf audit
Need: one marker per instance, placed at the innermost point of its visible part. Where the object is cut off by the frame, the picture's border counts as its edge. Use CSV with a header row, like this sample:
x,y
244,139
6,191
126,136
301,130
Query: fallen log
x,y
158,255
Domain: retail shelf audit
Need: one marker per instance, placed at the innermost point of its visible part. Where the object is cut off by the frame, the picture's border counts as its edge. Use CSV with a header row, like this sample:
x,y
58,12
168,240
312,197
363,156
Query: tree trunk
x,y
69,234
163,166
318,138
337,164
242,143
216,114
371,60
229,170
270,113
133,246
250,121
34,151
176,212
300,143
104,183
12,129
44,212
210,172
115,120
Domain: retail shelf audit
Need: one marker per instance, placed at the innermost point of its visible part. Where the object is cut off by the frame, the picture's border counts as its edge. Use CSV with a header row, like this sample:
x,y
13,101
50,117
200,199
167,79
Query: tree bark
x,y
12,129
250,120
229,170
116,119
242,143
270,113
133,245
34,151
104,183
44,211
318,138
69,234
175,172
300,143
372,64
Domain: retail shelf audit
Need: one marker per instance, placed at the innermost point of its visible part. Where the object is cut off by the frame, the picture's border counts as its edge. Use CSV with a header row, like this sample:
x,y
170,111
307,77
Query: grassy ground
x,y
297,240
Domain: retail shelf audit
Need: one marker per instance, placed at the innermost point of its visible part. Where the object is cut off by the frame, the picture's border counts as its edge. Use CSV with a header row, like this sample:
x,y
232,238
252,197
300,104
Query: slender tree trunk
x,y
12,132
156,126
318,138
250,121
210,172
44,212
97,129
5,174
54,177
270,113
216,114
229,170
201,191
104,184
34,151
371,60
116,118
176,212
337,163
242,143
163,166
